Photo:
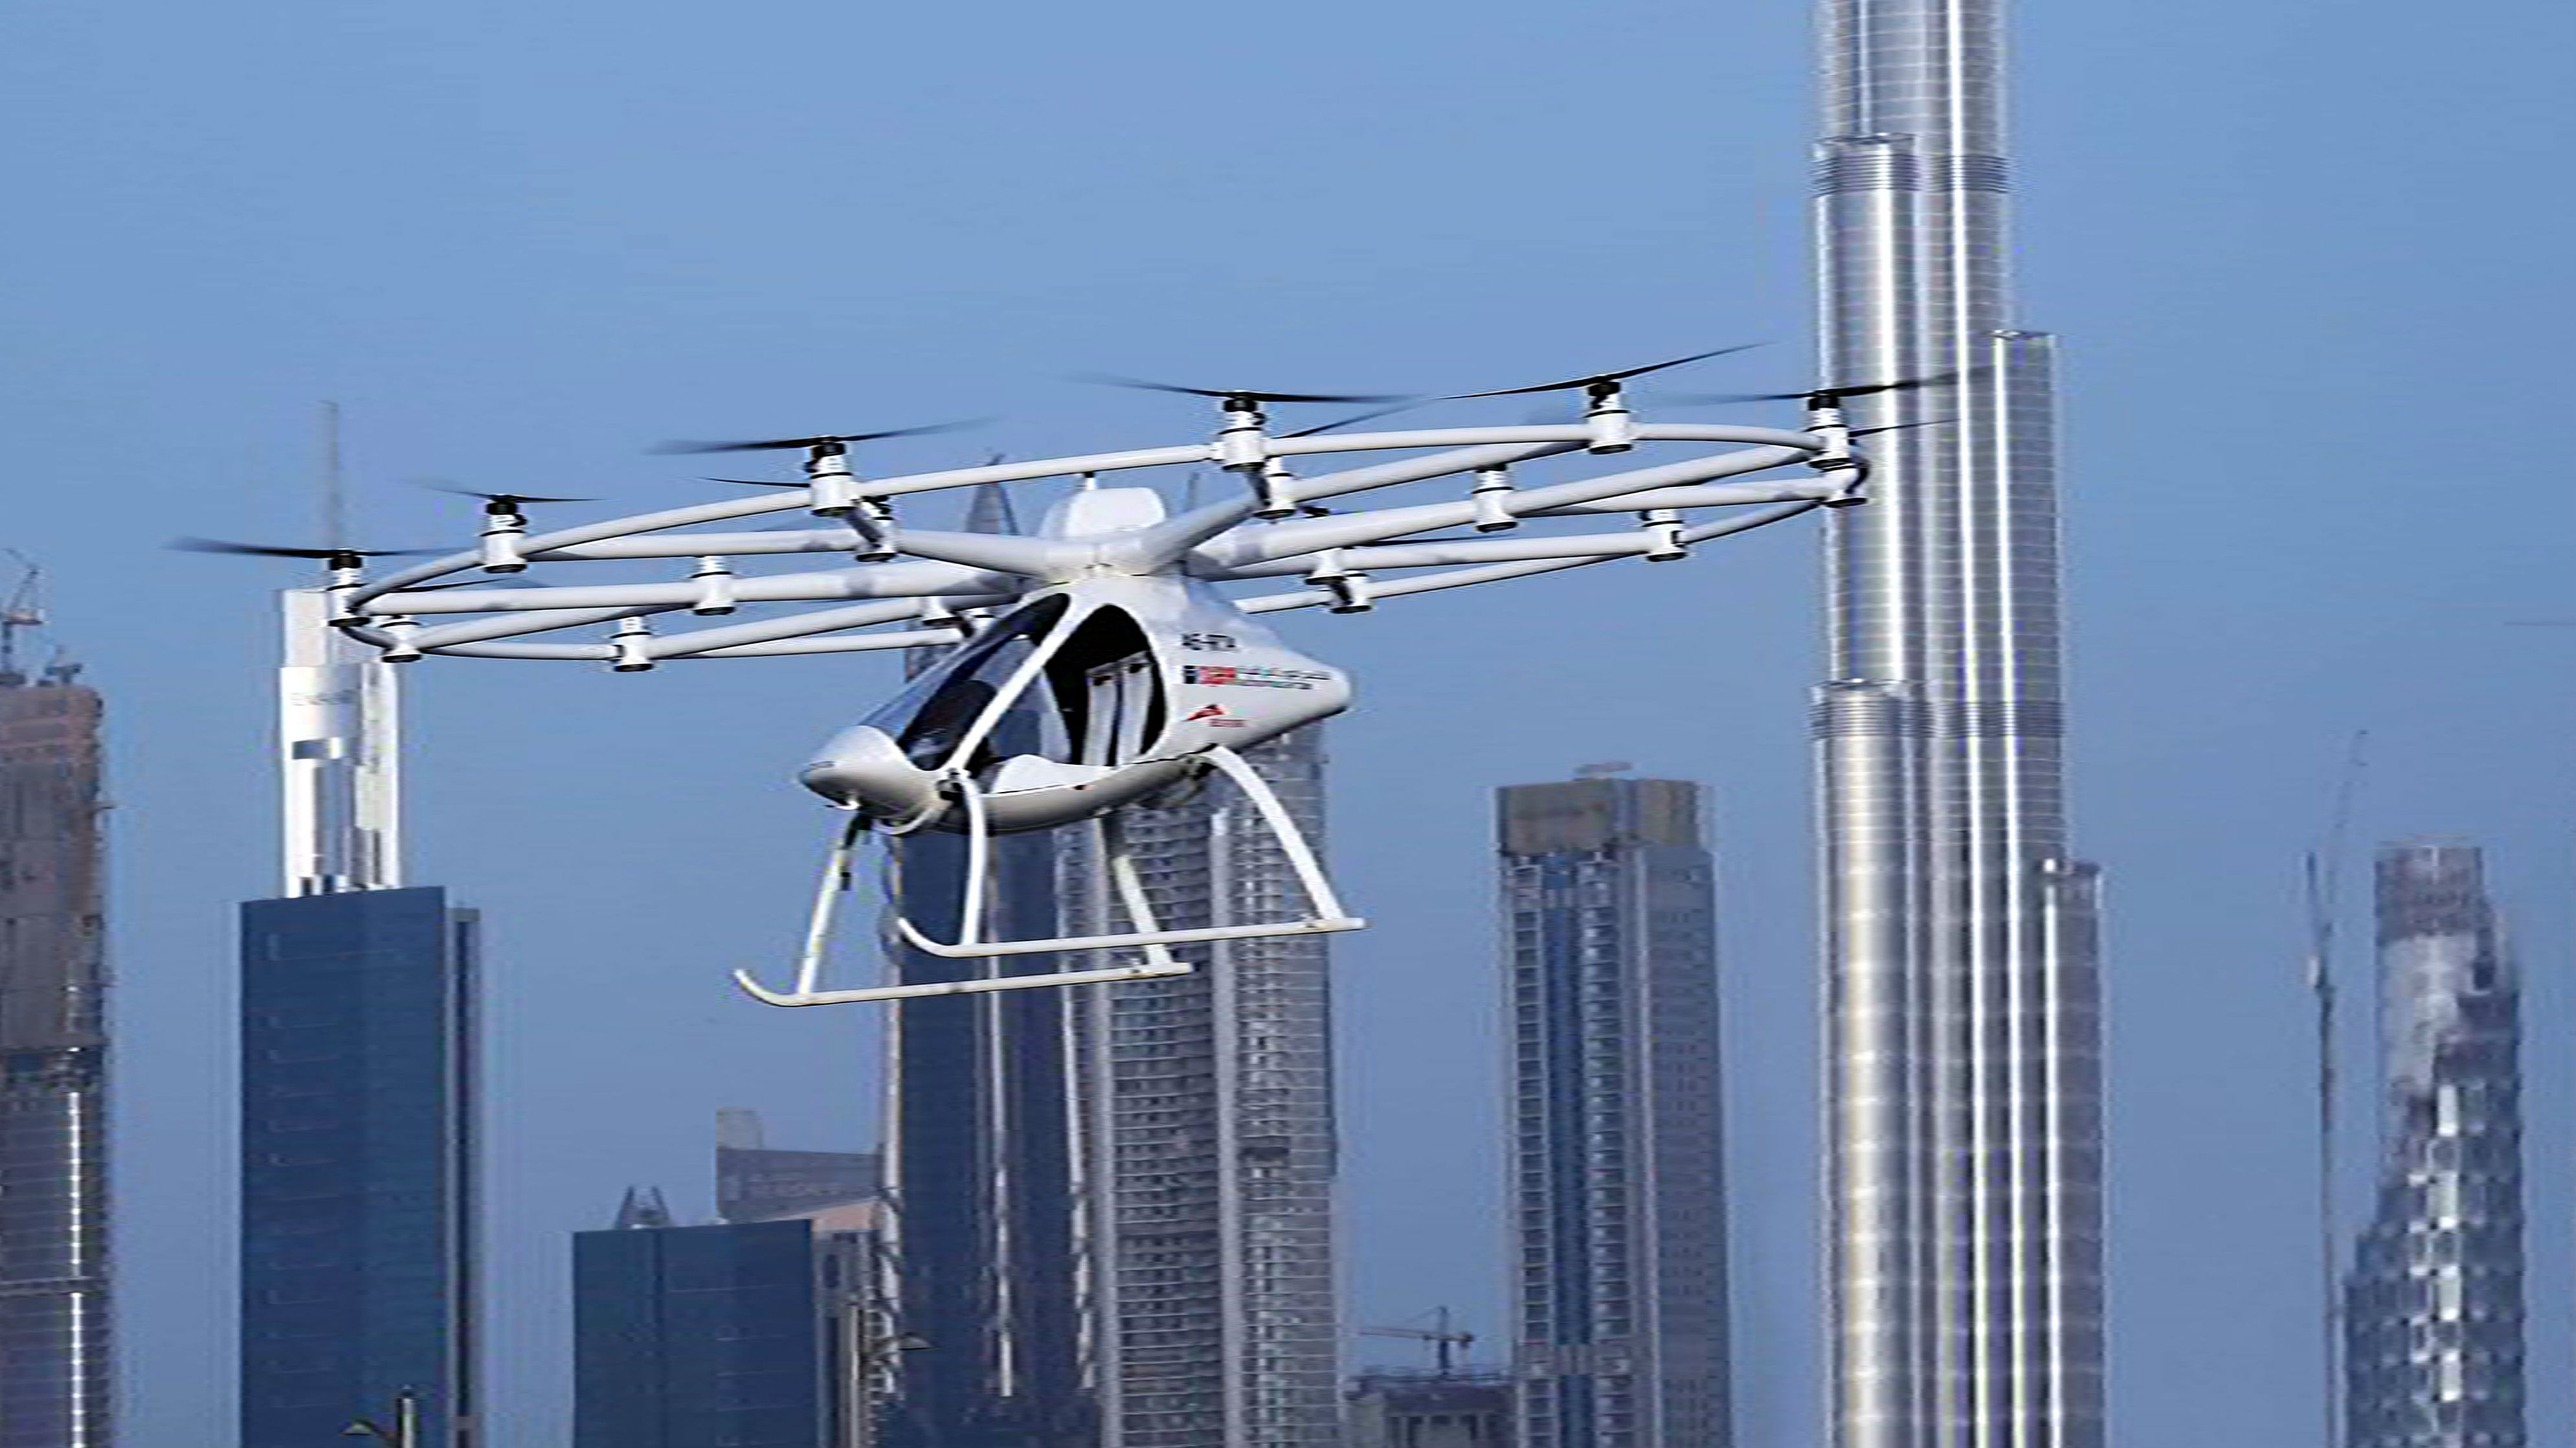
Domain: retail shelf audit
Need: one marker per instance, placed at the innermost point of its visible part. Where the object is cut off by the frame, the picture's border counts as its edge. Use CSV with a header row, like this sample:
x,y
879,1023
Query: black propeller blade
x,y
268,550
1829,394
510,501
1902,426
1355,419
775,444
1604,379
1238,394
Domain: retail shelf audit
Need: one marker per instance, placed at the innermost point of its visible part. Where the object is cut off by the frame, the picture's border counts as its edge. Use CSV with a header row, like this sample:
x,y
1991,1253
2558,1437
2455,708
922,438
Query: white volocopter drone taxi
x,y
1102,662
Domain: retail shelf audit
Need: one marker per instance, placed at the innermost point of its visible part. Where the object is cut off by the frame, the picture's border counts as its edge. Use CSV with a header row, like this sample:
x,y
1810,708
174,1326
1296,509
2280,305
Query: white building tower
x,y
1963,1029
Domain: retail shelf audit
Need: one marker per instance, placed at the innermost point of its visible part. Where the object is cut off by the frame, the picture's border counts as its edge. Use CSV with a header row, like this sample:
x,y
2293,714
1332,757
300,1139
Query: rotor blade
x,y
1598,378
1902,426
1357,418
756,482
442,487
267,550
819,440
1695,399
1111,379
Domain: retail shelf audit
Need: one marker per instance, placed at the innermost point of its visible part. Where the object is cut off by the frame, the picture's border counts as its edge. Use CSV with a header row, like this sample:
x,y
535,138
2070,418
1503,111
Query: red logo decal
x,y
1212,711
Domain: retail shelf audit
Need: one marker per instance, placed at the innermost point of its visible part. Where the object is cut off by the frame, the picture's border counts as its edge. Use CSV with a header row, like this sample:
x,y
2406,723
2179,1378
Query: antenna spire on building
x,y
643,1207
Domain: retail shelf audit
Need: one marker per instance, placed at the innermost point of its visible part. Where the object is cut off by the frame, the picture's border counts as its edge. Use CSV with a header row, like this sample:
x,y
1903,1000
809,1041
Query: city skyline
x,y
521,245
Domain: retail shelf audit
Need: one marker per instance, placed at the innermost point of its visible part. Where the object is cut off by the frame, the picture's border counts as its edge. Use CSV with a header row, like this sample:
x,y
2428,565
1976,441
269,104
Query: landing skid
x,y
1149,938
818,939
1327,918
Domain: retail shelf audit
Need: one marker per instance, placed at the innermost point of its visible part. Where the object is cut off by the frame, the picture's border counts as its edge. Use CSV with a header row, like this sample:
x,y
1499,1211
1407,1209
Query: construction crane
x,y
1446,1340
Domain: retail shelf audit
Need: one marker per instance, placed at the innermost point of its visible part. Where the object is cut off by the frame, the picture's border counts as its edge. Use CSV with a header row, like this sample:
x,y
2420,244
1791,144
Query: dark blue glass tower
x,y
700,1337
357,1182
980,1158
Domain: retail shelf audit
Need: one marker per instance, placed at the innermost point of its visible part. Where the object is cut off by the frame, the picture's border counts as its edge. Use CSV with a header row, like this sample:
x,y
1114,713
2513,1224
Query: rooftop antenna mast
x,y
335,497
337,728
2323,877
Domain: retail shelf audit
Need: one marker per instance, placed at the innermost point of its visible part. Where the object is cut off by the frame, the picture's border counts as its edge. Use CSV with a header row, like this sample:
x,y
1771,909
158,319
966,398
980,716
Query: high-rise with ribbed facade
x,y
2433,1313
980,1150
1963,1032
1208,1141
55,1357
1617,1171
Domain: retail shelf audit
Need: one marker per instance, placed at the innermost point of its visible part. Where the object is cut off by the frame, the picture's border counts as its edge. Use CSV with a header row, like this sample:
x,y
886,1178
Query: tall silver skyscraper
x,y
1209,1149
1963,1056
2433,1308
1619,1207
55,1355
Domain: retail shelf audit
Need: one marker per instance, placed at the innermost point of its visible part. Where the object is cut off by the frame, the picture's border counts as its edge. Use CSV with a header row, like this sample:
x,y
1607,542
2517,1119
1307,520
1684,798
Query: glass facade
x,y
980,1151
356,1161
1209,1140
1962,1006
980,1167
2434,1306
700,1337
55,1359
1610,969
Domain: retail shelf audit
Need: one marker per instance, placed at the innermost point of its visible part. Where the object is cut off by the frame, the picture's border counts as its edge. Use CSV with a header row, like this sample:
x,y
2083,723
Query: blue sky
x,y
2307,262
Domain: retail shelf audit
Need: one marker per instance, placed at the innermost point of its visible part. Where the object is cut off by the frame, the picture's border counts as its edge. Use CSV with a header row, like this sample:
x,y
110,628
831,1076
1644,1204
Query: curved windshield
x,y
931,718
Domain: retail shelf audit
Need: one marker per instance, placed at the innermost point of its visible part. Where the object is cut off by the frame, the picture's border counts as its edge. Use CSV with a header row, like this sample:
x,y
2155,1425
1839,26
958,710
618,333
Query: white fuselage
x,y
1096,690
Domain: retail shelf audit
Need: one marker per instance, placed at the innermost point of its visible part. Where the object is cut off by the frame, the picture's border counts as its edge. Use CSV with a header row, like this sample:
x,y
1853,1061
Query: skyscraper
x,y
1467,1409
741,1334
55,1358
1963,1019
357,1086
980,1158
357,1185
1618,1178
1209,1149
2433,1308
757,1182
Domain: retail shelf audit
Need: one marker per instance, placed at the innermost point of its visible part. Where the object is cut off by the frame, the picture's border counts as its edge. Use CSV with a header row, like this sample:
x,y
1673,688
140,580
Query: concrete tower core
x,y
1963,1019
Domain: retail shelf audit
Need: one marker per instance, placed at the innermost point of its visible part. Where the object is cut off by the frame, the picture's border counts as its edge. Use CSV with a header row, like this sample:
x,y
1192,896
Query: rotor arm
x,y
883,580
1041,558
1498,572
1285,540
1624,544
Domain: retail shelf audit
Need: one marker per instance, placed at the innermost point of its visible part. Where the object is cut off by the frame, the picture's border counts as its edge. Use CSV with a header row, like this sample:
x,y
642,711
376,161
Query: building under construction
x,y
54,1351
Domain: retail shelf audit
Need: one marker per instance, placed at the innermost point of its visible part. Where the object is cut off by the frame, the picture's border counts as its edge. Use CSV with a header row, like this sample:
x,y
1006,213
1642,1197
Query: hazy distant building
x,y
2434,1306
1209,1143
980,1155
1468,1409
1619,1216
55,1354
735,1335
757,1182
357,1164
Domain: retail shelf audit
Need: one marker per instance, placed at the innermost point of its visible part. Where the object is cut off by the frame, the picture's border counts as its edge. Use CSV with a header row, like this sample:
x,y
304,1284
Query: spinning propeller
x,y
276,550
1818,396
820,440
1239,399
1601,383
496,502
